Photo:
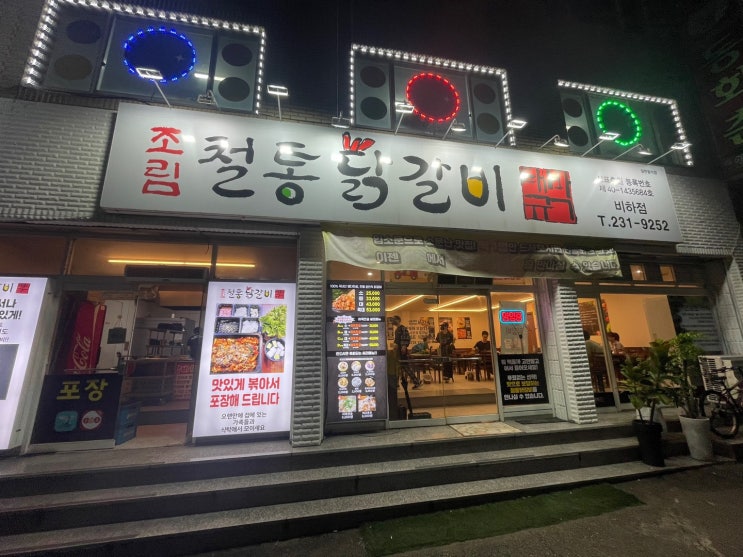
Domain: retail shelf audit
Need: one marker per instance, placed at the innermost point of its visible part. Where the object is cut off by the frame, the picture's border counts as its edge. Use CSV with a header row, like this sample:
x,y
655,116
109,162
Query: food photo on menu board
x,y
249,338
357,386
344,299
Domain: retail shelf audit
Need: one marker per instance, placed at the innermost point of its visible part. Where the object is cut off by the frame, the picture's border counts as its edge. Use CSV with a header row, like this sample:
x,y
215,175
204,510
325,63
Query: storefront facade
x,y
156,213
703,261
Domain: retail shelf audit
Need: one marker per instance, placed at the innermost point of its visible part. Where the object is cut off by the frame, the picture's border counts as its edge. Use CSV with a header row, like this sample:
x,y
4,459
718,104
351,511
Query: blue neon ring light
x,y
166,50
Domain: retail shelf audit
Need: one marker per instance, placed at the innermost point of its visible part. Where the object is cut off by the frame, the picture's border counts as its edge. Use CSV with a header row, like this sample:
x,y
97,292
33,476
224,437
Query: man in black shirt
x,y
402,345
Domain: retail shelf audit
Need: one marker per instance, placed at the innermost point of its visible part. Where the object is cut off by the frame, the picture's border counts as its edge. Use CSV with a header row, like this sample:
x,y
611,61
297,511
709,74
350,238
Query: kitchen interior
x,y
152,353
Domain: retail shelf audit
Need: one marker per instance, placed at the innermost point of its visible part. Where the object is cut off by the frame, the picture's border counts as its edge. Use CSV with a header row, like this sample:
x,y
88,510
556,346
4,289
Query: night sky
x,y
537,41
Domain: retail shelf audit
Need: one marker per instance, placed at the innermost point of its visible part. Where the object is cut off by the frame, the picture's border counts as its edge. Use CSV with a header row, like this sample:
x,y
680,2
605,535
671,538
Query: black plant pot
x,y
651,445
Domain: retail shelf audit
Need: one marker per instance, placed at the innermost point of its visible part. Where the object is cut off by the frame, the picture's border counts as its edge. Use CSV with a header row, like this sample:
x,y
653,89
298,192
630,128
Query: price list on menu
x,y
356,352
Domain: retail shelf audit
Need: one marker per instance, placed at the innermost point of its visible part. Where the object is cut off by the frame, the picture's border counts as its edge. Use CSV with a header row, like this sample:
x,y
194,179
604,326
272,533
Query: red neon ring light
x,y
421,84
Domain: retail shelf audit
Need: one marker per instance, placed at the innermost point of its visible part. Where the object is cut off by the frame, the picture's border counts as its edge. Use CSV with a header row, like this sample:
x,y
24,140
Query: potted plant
x,y
650,383
687,373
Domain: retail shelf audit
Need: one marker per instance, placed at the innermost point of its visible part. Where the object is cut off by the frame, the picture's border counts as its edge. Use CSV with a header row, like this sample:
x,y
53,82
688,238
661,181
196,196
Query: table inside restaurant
x,y
424,363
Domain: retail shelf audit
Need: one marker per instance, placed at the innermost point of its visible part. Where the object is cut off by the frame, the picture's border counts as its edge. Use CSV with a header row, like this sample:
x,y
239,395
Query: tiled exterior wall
x,y
709,228
548,331
17,27
52,159
309,394
726,285
705,215
566,348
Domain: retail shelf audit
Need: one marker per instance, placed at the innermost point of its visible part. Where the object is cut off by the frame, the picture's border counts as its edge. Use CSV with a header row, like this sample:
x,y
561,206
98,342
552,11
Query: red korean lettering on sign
x,y
164,168
228,392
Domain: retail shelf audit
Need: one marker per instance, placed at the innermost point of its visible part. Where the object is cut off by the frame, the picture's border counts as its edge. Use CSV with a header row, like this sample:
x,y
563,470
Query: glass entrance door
x,y
447,376
604,376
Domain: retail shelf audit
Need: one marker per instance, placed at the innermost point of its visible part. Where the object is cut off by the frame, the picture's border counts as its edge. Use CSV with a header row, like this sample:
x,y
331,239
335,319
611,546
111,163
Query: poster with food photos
x,y
247,359
356,352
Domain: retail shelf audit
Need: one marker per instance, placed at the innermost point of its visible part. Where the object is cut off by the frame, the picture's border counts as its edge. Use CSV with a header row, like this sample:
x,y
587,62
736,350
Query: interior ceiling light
x,y
171,263
454,302
453,310
406,302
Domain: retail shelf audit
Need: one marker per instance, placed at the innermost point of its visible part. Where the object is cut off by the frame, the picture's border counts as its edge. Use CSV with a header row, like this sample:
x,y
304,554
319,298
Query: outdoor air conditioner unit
x,y
711,364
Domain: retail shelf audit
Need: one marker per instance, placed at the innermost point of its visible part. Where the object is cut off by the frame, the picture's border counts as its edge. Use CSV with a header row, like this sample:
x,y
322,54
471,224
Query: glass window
x,y
260,262
667,273
515,323
109,257
338,270
638,272
32,255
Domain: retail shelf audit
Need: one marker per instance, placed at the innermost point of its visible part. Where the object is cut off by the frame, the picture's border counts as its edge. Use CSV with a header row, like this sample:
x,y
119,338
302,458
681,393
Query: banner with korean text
x,y
246,369
210,164
465,254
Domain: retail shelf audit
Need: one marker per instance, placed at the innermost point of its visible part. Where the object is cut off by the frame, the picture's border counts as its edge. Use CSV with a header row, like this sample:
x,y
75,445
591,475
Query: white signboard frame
x,y
198,163
238,395
20,305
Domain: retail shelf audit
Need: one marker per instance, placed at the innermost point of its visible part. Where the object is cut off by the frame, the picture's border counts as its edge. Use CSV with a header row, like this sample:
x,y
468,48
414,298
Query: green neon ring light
x,y
628,112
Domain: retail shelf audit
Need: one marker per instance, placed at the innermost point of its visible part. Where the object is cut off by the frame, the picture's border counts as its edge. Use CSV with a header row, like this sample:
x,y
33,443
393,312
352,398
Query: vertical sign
x,y
247,360
522,379
356,352
20,303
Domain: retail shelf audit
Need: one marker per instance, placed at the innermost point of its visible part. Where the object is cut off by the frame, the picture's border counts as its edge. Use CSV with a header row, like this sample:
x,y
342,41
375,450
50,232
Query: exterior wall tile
x,y
705,214
52,160
309,393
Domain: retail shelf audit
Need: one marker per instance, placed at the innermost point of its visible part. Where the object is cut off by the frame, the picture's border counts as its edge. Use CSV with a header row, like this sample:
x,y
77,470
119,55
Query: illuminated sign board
x,y
512,316
20,304
247,360
78,408
171,161
355,337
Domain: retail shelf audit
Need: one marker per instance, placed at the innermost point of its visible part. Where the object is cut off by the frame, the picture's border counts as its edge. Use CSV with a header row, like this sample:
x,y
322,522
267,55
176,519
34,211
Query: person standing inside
x,y
482,349
402,346
446,348
617,348
593,348
194,344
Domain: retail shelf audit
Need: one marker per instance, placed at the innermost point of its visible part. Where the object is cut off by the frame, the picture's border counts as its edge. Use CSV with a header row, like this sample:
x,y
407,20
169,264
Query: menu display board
x,y
20,304
522,379
247,360
356,352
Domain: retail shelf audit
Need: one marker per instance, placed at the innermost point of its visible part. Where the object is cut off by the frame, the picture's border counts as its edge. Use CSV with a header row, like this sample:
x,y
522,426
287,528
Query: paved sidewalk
x,y
696,513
